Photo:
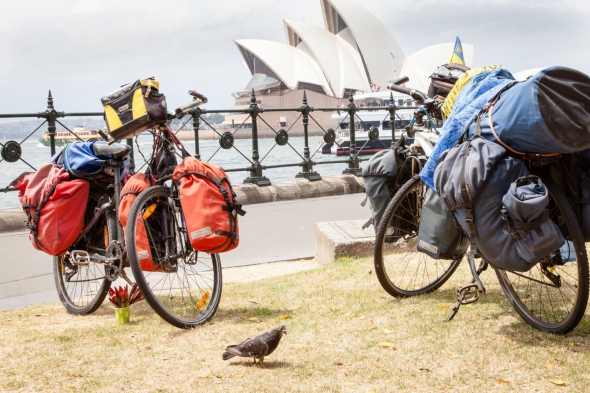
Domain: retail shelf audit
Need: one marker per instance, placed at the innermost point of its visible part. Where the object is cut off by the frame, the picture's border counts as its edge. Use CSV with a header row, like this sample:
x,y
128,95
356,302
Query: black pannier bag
x,y
444,78
134,108
525,212
439,236
380,177
471,179
580,176
549,113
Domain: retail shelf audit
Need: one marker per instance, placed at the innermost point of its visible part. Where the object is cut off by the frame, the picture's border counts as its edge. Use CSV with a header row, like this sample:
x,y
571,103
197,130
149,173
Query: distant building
x,y
351,51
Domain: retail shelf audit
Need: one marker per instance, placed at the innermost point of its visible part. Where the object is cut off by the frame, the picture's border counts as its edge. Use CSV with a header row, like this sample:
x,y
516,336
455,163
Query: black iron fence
x,y
12,151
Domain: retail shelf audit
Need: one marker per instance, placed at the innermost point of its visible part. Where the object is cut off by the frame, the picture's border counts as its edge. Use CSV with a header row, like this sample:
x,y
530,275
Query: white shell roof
x,y
375,41
420,65
352,51
331,53
290,64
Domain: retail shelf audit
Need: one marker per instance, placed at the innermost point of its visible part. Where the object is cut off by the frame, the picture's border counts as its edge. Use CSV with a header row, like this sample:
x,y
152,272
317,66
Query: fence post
x,y
131,156
196,114
307,171
392,110
51,118
354,164
256,168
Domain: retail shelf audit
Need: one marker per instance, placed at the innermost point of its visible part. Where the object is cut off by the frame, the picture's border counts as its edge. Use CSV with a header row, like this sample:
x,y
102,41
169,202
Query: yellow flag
x,y
457,57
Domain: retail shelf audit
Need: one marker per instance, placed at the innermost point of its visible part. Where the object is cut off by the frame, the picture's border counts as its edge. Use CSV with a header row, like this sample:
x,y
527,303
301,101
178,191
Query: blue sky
x,y
84,49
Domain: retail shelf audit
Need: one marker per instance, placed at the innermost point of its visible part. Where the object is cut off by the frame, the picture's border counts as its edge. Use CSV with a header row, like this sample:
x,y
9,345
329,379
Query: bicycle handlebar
x,y
199,96
199,99
415,94
400,81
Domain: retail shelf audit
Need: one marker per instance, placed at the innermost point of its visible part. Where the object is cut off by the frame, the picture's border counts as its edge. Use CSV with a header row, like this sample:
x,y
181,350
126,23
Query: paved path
x,y
277,231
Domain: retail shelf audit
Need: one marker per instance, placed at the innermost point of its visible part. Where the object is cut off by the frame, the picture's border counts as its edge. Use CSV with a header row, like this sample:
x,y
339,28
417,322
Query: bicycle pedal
x,y
468,294
80,257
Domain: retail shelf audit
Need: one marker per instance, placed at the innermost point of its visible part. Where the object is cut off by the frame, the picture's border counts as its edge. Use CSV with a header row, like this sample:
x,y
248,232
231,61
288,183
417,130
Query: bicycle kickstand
x,y
469,294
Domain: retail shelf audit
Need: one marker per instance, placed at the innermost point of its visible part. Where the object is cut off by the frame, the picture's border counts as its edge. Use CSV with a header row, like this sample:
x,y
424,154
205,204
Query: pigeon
x,y
257,347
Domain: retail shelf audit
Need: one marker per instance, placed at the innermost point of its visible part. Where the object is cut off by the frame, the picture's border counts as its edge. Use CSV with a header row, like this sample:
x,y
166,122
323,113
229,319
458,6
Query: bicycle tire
x,y
176,305
87,297
403,214
558,318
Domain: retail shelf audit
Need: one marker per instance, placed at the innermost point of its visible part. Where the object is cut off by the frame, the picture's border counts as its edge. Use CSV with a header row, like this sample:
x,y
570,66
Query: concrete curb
x,y
340,239
14,219
286,190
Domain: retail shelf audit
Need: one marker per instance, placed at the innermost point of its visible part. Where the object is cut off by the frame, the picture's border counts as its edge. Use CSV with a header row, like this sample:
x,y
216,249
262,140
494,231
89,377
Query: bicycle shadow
x,y
523,334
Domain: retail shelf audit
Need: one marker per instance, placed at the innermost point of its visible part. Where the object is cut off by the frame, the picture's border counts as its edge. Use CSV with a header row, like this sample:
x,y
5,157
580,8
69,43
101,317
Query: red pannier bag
x,y
208,203
55,207
134,186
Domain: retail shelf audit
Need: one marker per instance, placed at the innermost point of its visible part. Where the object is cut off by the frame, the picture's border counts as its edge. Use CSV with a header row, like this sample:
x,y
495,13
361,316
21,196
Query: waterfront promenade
x,y
269,232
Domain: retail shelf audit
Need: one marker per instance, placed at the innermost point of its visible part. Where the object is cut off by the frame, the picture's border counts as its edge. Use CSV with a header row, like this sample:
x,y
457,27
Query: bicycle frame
x,y
108,206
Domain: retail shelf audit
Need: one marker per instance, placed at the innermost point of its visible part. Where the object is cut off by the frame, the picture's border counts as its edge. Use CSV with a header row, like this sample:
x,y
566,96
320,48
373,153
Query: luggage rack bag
x,y
135,186
209,206
134,108
549,113
55,206
80,161
478,182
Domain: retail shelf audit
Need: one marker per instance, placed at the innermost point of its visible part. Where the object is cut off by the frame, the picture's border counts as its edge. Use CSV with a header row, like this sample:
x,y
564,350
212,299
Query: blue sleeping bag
x,y
80,161
548,113
482,88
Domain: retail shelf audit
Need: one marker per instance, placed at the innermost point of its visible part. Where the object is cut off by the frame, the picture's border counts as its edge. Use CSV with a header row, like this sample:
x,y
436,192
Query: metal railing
x,y
11,151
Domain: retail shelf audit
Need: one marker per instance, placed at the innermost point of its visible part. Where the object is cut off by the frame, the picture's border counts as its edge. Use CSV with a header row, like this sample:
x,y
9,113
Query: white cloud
x,y
83,49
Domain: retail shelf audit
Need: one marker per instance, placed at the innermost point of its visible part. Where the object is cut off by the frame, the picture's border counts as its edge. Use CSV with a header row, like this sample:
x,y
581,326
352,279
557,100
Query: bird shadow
x,y
267,364
244,314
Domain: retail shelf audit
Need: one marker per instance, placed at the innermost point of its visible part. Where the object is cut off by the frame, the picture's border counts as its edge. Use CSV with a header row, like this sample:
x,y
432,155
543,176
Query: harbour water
x,y
270,154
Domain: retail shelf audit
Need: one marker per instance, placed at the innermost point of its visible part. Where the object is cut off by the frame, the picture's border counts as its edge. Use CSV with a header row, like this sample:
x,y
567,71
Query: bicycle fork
x,y
469,294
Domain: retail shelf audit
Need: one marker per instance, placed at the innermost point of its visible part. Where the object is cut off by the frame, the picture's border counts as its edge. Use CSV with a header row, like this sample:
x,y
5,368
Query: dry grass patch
x,y
345,334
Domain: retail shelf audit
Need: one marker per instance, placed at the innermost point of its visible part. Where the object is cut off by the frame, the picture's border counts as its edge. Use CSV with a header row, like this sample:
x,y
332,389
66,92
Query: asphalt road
x,y
269,232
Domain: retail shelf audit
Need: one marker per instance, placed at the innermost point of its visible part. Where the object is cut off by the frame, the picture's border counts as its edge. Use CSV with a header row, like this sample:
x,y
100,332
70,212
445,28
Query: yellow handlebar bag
x,y
134,108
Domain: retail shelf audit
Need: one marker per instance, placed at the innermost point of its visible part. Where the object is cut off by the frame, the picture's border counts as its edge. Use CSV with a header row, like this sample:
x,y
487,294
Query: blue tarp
x,y
473,97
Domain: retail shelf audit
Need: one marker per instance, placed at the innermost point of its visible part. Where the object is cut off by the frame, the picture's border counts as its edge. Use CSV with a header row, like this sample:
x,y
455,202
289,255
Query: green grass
x,y
338,316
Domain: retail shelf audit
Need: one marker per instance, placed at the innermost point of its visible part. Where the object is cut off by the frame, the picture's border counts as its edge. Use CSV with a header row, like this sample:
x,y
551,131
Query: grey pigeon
x,y
257,347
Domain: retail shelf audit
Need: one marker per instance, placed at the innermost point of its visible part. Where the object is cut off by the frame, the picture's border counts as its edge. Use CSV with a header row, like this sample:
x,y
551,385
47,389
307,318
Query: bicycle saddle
x,y
116,150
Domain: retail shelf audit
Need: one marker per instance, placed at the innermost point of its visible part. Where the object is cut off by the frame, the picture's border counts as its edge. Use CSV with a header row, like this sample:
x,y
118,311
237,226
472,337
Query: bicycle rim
x,y
553,296
82,287
183,286
402,270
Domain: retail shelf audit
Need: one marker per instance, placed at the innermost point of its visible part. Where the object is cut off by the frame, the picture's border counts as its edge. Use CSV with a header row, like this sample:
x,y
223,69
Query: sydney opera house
x,y
350,51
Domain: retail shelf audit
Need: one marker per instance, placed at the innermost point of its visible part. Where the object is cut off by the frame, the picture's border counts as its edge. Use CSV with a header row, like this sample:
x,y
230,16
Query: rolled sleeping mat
x,y
549,113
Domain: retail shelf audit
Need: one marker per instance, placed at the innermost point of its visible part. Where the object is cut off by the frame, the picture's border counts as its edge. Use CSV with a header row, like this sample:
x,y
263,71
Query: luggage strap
x,y
231,235
465,192
520,230
489,107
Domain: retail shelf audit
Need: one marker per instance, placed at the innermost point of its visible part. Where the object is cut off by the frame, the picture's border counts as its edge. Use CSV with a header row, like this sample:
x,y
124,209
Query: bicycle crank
x,y
115,252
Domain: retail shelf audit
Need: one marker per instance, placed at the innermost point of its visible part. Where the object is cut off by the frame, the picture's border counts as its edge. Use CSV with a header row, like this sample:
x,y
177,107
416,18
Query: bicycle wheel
x,y
552,296
183,286
402,270
82,285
